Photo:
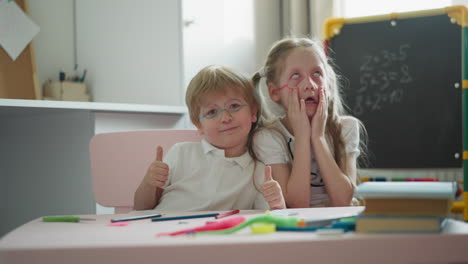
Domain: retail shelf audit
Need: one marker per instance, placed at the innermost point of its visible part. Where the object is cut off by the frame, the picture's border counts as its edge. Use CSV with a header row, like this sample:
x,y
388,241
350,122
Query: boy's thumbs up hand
x,y
268,176
158,171
159,153
272,191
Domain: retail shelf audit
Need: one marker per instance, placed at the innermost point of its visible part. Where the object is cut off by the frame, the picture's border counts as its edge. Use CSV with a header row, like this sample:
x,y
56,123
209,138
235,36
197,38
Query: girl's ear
x,y
273,91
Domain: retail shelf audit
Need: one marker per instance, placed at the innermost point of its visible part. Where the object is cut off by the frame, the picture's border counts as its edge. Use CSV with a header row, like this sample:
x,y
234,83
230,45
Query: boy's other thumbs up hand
x,y
159,153
272,191
158,171
268,174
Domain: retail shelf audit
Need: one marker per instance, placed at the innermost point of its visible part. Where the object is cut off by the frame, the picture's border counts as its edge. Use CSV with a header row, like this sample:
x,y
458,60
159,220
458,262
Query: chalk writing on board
x,y
384,76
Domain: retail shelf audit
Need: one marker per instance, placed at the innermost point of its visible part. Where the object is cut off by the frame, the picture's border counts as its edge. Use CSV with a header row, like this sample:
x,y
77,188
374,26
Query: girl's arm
x,y
339,184
296,181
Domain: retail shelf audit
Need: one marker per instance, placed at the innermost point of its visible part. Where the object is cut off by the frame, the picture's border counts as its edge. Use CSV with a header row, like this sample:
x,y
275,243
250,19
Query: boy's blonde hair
x,y
273,68
216,79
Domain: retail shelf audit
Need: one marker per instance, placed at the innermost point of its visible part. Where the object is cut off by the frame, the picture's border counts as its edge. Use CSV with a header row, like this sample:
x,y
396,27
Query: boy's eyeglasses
x,y
213,110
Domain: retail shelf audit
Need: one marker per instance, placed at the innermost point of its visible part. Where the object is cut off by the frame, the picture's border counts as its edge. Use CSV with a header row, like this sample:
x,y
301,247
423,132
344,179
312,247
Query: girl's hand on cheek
x,y
297,114
320,118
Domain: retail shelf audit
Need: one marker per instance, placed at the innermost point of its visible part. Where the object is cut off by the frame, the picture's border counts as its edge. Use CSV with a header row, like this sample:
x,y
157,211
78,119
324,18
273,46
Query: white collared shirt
x,y
276,146
201,178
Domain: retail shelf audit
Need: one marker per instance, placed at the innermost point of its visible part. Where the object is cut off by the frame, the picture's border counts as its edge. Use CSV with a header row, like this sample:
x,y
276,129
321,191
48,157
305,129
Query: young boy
x,y
221,172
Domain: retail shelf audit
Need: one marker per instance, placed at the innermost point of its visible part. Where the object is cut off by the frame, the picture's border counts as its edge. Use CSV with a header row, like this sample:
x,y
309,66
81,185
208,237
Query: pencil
x,y
227,214
183,217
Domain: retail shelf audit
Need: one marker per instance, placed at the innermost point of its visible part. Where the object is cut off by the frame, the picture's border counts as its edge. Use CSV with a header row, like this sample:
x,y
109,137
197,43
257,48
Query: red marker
x,y
227,214
425,179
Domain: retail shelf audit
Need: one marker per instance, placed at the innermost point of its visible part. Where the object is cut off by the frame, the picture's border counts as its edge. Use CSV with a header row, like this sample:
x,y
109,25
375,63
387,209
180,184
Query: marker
x,y
425,179
379,179
84,76
138,217
65,218
62,75
227,214
183,217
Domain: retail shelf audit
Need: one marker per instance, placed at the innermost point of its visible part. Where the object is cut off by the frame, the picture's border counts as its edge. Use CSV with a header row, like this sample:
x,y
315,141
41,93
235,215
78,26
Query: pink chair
x,y
119,162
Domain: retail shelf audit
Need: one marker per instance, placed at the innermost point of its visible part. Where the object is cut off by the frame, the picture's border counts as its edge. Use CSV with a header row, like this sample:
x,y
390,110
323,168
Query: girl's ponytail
x,y
256,79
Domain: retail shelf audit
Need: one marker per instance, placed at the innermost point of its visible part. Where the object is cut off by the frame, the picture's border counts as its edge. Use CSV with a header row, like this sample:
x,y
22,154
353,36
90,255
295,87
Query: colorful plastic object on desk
x,y
278,221
210,226
342,225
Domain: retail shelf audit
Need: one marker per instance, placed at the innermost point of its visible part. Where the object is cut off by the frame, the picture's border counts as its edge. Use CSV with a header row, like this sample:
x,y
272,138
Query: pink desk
x,y
96,242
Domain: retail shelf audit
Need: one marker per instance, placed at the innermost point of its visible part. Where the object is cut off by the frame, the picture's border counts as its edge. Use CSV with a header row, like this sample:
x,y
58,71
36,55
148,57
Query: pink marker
x,y
227,214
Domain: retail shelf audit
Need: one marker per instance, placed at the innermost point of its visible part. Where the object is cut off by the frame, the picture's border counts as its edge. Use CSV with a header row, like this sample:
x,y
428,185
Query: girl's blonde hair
x,y
216,79
273,68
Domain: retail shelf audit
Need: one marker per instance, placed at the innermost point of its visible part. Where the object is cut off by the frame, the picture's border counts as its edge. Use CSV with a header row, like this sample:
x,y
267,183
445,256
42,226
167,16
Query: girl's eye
x,y
295,76
318,73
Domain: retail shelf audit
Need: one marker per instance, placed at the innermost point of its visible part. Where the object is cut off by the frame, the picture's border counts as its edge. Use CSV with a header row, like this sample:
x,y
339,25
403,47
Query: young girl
x,y
313,149
221,172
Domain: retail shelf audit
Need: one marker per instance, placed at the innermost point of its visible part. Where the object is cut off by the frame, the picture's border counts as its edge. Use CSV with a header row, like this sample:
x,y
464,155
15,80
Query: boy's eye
x,y
234,107
211,113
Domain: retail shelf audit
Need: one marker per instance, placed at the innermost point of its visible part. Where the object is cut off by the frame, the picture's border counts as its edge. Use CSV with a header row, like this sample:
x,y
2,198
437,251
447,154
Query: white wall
x,y
54,45
221,34
267,28
132,50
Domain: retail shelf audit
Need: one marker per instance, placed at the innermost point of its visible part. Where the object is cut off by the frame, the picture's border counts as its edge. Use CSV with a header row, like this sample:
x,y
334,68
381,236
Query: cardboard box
x,y
66,91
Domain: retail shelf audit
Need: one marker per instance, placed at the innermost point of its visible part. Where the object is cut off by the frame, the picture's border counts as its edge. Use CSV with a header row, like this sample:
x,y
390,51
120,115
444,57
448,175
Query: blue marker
x,y
183,217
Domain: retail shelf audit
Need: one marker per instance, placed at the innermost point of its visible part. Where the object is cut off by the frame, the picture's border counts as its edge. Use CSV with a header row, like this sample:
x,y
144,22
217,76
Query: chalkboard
x,y
403,80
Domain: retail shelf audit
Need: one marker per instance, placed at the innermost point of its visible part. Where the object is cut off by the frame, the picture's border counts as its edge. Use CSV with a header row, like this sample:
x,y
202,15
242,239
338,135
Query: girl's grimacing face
x,y
303,70
226,120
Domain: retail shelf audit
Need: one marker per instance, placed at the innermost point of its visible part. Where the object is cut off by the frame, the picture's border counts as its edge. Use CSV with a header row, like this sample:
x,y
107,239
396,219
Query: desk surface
x,y
93,241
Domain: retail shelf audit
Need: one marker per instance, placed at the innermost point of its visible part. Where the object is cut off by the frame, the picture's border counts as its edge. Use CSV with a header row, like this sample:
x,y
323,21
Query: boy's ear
x,y
254,114
273,91
199,128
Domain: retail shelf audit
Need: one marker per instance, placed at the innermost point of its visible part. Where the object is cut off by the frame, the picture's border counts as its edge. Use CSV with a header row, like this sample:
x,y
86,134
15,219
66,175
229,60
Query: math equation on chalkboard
x,y
384,77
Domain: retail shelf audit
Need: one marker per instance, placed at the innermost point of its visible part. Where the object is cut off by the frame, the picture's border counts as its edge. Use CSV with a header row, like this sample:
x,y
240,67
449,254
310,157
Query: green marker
x,y
65,218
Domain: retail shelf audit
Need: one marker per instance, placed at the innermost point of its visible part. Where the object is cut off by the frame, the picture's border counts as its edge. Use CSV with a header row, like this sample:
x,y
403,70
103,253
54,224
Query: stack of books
x,y
66,91
413,207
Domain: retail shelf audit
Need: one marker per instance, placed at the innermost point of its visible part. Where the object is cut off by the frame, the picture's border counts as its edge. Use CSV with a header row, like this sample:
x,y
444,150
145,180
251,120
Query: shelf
x,y
32,105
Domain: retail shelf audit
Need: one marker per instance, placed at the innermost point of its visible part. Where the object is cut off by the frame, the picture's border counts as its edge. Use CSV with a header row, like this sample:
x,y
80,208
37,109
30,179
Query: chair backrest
x,y
119,162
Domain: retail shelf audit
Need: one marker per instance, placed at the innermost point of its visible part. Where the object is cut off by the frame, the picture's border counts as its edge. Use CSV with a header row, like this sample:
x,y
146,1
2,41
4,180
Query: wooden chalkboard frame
x,y
412,63
18,78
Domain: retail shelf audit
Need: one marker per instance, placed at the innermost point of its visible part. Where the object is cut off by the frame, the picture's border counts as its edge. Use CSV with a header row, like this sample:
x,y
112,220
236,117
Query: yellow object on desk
x,y
263,228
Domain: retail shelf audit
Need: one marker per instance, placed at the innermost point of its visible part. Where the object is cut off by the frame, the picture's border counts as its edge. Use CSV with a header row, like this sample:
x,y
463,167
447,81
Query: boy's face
x,y
225,121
